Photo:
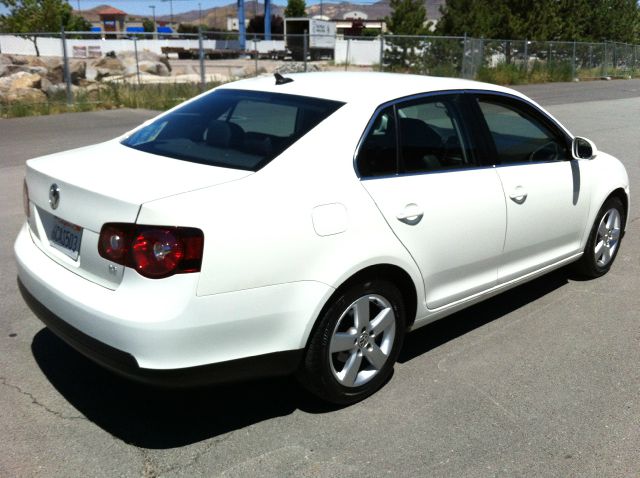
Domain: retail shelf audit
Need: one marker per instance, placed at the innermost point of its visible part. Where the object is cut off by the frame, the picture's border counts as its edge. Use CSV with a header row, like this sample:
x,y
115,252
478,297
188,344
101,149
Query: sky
x,y
163,7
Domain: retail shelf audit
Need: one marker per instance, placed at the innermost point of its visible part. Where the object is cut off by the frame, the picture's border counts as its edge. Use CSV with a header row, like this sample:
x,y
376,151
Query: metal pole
x,y
65,59
304,49
346,60
573,62
241,27
135,50
463,71
255,49
381,52
155,25
203,83
604,62
267,19
526,55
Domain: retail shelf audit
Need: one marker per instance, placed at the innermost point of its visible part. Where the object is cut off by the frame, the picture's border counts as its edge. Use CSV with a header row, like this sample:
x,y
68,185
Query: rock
x,y
153,68
104,67
20,80
26,95
296,67
77,71
154,64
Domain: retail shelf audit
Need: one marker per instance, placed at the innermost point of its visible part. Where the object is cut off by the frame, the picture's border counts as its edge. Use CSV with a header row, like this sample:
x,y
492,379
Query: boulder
x,y
77,71
24,95
153,63
20,80
103,67
152,67
296,67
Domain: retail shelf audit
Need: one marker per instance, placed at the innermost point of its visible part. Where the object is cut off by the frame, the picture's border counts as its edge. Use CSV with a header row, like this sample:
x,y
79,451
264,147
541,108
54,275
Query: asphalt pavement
x,y
543,380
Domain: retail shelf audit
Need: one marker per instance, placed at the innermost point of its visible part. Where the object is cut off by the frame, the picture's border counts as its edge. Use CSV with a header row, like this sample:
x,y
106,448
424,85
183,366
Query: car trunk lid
x,y
98,184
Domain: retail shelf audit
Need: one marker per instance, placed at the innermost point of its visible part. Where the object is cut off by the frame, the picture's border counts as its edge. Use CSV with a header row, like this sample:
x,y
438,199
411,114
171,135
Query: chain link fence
x,y
82,70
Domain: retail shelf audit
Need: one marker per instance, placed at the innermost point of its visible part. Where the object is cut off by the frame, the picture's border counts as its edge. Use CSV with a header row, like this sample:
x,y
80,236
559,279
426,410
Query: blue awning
x,y
135,29
165,30
96,29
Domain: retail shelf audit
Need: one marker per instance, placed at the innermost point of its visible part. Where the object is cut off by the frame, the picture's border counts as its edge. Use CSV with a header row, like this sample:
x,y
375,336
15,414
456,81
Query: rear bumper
x,y
124,364
161,332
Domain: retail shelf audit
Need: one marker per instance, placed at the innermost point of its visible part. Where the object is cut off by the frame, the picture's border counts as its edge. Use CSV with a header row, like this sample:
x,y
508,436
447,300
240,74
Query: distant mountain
x,y
217,17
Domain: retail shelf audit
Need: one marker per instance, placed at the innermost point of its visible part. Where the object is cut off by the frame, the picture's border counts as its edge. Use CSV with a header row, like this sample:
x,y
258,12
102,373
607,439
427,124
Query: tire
x,y
604,240
350,357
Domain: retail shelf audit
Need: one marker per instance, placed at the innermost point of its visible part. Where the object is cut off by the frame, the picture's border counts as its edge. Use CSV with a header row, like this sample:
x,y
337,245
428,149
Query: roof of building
x,y
109,10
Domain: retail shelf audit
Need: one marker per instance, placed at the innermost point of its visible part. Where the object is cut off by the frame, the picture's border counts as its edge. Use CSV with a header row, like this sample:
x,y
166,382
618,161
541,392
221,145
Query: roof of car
x,y
361,87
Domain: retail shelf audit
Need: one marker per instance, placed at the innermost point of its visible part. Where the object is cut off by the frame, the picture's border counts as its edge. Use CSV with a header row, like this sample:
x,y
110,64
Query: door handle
x,y
411,214
518,195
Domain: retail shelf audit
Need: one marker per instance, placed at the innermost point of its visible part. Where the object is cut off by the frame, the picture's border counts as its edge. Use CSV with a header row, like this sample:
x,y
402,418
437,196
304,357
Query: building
x,y
113,22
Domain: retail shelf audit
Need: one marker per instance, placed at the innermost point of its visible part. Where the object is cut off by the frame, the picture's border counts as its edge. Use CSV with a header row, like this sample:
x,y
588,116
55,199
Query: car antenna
x,y
281,80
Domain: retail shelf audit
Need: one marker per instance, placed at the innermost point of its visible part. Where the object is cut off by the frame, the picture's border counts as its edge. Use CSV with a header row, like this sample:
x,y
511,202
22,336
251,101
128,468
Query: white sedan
x,y
304,224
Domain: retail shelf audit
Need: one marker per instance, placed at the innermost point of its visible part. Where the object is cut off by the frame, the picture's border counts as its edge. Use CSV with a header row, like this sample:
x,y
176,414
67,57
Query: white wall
x,y
53,47
361,52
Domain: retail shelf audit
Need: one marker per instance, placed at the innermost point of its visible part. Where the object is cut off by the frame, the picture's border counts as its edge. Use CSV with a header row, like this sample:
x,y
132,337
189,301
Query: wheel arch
x,y
621,194
392,273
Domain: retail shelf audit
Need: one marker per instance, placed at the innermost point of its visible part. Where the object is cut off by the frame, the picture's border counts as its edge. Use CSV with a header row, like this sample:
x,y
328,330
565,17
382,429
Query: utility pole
x,y
155,25
267,19
170,10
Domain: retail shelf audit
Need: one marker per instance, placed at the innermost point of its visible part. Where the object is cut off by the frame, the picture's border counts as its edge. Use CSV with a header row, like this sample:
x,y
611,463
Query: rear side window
x,y
233,128
431,138
417,136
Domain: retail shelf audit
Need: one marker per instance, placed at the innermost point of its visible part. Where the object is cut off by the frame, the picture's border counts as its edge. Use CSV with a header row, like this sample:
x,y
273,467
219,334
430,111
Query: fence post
x,y
255,49
65,67
463,73
346,60
573,62
135,51
304,49
381,52
604,60
526,55
203,81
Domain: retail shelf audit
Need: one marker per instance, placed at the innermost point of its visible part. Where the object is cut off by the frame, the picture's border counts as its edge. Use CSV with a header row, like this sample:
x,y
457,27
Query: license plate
x,y
65,237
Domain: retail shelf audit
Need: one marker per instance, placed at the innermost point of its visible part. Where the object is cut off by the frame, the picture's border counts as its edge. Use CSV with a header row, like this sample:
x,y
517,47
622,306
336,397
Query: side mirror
x,y
583,148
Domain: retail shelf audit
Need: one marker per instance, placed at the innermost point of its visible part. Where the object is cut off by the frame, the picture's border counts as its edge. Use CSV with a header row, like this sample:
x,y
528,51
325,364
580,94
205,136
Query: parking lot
x,y
543,380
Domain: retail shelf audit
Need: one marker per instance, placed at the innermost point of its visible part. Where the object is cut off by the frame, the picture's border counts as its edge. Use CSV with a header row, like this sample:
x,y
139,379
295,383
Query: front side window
x,y
519,135
233,128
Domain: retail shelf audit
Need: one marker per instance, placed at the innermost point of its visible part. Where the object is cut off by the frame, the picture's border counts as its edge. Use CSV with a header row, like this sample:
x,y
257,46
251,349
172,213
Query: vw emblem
x,y
54,196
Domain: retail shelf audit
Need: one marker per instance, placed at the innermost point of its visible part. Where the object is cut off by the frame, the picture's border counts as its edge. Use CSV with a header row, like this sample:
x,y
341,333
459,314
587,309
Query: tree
x,y
581,20
26,17
408,17
148,25
295,8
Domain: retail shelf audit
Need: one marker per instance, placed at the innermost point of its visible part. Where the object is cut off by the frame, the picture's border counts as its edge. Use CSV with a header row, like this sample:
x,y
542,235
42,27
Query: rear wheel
x,y
352,352
604,240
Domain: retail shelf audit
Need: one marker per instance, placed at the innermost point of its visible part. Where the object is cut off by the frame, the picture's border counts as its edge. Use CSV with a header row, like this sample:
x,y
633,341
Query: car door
x,y
420,167
547,203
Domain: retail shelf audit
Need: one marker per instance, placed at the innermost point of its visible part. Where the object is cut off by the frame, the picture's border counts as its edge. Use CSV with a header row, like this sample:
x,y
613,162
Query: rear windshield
x,y
233,128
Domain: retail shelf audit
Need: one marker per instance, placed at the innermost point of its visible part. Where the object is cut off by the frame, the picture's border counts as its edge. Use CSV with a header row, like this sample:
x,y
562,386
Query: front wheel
x,y
357,341
604,240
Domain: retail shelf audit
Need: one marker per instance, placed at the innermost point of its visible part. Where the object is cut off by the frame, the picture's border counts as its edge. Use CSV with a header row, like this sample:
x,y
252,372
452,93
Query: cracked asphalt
x,y
540,381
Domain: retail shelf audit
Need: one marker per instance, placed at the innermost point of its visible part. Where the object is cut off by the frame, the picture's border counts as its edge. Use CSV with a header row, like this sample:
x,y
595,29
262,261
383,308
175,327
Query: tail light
x,y
153,251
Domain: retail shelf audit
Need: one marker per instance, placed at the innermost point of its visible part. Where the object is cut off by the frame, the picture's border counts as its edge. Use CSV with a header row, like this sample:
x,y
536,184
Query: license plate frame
x,y
65,237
